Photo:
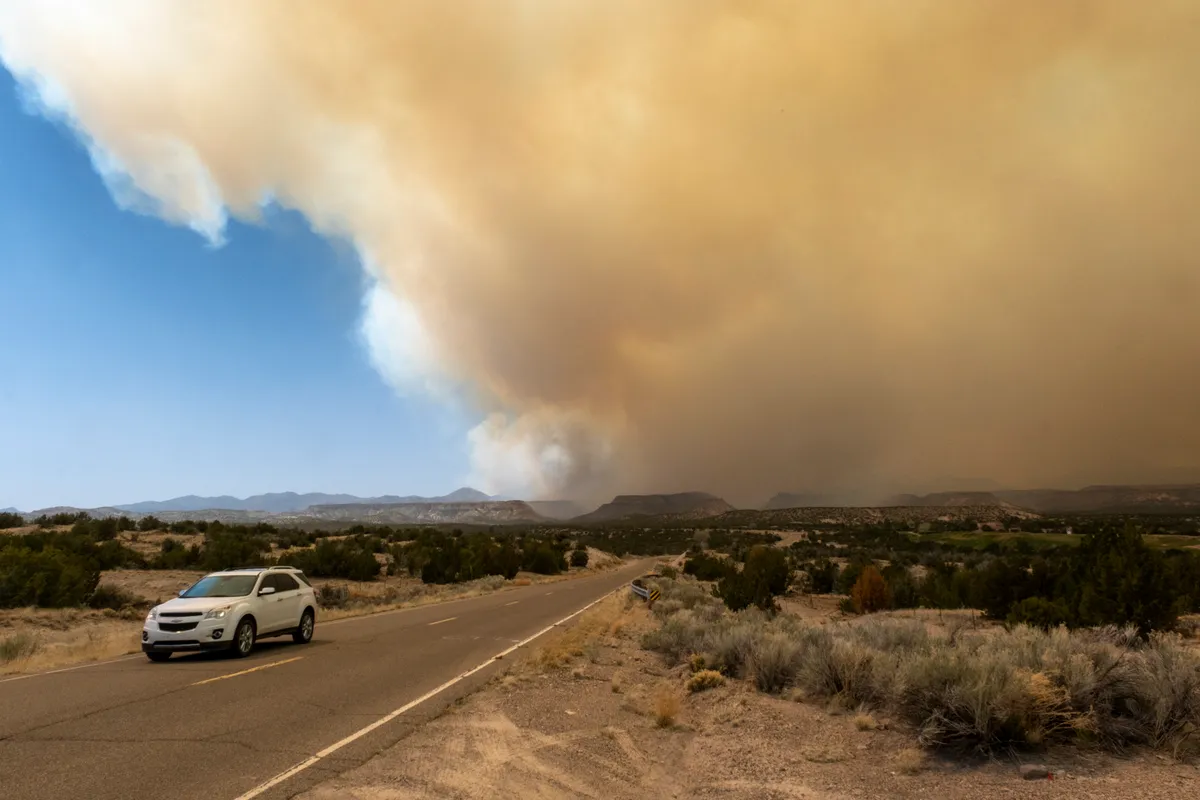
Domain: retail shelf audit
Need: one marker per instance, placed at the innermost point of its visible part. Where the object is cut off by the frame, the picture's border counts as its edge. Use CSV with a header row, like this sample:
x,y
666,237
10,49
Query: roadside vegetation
x,y
961,687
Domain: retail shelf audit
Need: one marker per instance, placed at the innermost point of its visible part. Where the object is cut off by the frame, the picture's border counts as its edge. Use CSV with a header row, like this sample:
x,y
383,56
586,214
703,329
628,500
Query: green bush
x,y
9,520
115,598
543,560
579,558
49,578
765,576
229,550
707,567
352,559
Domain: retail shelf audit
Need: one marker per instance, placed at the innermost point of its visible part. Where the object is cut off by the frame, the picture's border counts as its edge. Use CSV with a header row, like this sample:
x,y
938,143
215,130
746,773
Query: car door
x,y
268,611
286,601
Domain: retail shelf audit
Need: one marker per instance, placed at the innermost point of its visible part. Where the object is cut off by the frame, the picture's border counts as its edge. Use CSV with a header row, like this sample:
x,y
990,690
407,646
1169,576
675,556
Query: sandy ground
x,y
579,717
62,637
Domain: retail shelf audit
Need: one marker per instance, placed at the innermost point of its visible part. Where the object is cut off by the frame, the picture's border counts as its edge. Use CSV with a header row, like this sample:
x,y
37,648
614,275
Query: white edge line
x,y
69,669
333,748
440,621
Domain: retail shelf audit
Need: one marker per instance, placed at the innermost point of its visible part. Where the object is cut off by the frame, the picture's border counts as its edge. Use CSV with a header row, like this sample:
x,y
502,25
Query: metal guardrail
x,y
645,592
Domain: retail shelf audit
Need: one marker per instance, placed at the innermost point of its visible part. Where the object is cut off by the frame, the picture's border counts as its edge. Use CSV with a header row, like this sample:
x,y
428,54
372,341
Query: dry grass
x,y
666,706
18,646
582,638
910,761
865,722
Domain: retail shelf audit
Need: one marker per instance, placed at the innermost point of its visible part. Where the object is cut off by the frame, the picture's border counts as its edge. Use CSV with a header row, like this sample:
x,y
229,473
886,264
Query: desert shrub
x,y
1038,612
822,576
174,554
18,646
677,638
1168,683
705,679
666,707
728,647
544,560
773,662
49,577
707,567
579,558
964,700
678,595
232,550
841,668
150,523
870,592
333,596
765,576
669,572
351,559
114,597
891,635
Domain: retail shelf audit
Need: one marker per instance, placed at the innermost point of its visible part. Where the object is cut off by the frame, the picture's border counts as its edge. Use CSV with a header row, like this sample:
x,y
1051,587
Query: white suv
x,y
230,610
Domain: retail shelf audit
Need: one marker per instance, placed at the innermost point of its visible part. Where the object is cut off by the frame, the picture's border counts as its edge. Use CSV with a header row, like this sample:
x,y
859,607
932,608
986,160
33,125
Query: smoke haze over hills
x,y
730,246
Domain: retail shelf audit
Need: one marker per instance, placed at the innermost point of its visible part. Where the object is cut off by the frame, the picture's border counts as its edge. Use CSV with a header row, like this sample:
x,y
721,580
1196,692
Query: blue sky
x,y
138,362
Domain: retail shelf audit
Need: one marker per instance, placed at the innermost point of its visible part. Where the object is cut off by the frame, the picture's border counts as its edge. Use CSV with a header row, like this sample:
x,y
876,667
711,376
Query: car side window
x,y
285,583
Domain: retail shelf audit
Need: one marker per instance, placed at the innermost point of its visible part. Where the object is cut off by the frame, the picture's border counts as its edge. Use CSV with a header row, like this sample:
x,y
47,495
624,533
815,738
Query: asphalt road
x,y
213,727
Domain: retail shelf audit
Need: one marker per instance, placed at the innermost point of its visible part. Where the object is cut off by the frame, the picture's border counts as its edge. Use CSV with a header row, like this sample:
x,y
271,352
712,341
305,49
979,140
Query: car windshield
x,y
221,586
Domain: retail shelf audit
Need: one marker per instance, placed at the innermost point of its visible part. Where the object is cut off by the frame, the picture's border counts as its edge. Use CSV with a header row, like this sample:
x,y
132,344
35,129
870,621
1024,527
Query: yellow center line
x,y
248,671
440,621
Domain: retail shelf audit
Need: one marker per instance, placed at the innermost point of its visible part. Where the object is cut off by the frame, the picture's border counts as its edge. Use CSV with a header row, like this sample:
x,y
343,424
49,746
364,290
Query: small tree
x,y
870,592
579,557
765,576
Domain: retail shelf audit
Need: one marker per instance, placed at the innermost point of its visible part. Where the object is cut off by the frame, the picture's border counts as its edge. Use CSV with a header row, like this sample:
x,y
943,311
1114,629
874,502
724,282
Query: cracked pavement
x,y
133,729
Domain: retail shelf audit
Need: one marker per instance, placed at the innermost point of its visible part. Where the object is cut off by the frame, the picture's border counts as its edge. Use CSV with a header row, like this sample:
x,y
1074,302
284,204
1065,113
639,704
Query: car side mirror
x,y
266,590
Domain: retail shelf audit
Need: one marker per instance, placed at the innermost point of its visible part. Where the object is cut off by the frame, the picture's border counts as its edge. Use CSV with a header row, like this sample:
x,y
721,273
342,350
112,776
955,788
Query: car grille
x,y
179,614
176,627
179,643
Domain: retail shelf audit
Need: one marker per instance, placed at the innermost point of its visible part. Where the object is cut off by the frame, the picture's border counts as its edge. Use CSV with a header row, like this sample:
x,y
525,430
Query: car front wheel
x,y
304,633
243,638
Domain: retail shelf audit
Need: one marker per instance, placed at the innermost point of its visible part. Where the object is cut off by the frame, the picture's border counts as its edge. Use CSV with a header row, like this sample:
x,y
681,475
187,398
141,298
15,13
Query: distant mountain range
x,y
285,502
9,510
470,506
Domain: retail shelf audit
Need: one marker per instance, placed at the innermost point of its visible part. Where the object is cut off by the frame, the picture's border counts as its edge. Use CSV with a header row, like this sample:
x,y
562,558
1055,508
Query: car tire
x,y
308,623
158,658
243,638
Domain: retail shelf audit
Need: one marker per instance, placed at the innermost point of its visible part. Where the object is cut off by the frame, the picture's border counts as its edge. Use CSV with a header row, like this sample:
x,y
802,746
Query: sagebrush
x,y
970,688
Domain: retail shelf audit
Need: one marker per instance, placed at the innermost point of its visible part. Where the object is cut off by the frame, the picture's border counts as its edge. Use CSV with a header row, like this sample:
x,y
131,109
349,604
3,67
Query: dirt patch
x,y
580,716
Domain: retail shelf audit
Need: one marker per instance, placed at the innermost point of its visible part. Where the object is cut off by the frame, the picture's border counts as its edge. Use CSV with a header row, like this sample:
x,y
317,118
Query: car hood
x,y
180,605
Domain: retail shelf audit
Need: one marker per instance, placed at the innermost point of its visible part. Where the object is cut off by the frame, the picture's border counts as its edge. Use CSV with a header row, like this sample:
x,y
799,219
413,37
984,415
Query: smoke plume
x,y
734,246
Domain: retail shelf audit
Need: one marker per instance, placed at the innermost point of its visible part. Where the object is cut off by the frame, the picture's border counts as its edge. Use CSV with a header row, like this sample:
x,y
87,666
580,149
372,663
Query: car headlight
x,y
153,614
218,613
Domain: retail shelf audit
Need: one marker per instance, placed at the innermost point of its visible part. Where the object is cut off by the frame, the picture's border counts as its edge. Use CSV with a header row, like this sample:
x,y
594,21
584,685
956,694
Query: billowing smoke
x,y
732,246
